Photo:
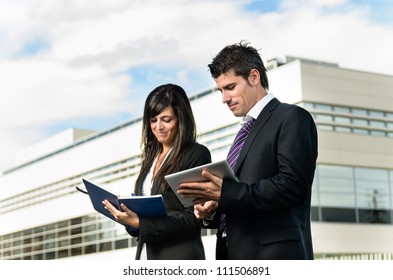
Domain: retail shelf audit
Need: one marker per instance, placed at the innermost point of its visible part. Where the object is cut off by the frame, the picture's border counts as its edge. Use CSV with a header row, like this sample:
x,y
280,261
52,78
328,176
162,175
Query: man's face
x,y
239,94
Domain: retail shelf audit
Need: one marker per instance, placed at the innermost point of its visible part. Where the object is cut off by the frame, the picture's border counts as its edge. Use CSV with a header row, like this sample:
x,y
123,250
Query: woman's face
x,y
165,126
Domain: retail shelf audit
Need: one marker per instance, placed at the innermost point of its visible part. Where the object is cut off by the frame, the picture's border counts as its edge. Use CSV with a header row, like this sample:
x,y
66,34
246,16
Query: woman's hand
x,y
205,210
127,217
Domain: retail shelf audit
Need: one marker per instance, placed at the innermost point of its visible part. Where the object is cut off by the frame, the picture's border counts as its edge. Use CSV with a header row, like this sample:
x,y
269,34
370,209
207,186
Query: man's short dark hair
x,y
241,58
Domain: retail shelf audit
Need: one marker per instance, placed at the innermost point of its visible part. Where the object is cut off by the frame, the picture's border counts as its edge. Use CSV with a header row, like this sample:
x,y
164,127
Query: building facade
x,y
44,217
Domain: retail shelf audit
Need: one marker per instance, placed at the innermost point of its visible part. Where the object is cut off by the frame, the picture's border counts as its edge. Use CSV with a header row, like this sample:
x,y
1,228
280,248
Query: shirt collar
x,y
257,109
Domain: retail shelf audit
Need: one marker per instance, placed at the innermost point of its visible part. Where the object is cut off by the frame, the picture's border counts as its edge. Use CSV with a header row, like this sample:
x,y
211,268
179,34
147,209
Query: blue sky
x,y
381,11
73,64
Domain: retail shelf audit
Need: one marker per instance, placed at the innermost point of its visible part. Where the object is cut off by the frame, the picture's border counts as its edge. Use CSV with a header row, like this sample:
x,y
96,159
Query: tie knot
x,y
247,126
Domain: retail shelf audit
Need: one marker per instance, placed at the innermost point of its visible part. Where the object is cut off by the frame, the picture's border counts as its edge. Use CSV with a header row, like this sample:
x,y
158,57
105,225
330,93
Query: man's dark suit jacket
x,y
177,236
268,212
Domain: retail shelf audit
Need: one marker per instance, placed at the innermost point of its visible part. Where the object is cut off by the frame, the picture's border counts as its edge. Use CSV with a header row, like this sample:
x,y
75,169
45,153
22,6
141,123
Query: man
x,y
266,215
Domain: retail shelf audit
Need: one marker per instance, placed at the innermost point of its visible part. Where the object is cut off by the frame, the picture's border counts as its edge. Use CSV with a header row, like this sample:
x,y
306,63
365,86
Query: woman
x,y
169,145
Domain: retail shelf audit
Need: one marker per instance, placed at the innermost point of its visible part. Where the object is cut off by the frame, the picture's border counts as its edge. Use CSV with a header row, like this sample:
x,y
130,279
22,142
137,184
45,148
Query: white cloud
x,y
37,91
343,34
89,46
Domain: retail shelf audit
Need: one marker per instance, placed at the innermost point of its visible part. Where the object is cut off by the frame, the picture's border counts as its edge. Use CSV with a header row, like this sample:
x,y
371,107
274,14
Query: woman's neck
x,y
160,158
165,149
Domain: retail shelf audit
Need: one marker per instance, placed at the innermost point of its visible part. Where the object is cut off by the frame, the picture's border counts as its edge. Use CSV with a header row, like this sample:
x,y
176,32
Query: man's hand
x,y
202,191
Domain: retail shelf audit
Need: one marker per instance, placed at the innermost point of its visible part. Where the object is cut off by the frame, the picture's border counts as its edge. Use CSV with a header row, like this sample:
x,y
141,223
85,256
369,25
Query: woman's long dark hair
x,y
160,98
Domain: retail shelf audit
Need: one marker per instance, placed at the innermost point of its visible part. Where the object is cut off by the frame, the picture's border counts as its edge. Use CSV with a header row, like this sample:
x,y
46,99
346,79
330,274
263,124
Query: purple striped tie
x,y
233,155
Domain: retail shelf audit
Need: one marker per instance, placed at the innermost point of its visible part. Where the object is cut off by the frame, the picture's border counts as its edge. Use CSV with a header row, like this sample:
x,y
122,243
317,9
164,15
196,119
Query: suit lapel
x,y
260,122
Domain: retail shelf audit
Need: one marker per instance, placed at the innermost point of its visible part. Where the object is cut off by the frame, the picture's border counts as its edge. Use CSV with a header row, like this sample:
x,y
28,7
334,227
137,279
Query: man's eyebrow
x,y
226,86
229,85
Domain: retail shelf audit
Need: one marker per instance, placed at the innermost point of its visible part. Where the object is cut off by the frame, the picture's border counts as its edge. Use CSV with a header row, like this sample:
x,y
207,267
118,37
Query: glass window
x,y
372,199
342,119
315,214
62,224
106,234
374,216
337,199
315,189
307,105
323,107
38,229
336,186
38,257
105,246
389,124
76,251
17,242
360,131
372,188
371,174
389,116
343,129
90,238
50,227
324,118
377,124
88,228
315,197
390,177
27,232
325,127
338,215
121,244
376,114
336,171
63,233
50,255
119,231
63,254
360,122
359,112
76,221
7,236
7,245
27,249
62,243
340,109
377,133
77,240
50,241
75,231
90,249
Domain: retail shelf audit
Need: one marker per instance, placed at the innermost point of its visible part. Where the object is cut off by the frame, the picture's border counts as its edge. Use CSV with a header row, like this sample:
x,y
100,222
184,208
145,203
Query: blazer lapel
x,y
258,125
155,188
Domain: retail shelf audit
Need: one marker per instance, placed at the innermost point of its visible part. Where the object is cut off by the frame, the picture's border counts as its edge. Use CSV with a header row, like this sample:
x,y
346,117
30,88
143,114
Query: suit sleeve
x,y
180,221
287,167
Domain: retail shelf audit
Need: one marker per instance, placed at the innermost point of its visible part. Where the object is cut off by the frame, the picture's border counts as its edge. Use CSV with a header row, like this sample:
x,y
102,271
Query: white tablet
x,y
219,168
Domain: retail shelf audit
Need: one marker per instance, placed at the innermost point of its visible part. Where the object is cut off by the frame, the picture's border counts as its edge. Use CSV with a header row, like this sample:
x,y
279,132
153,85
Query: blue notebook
x,y
144,206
